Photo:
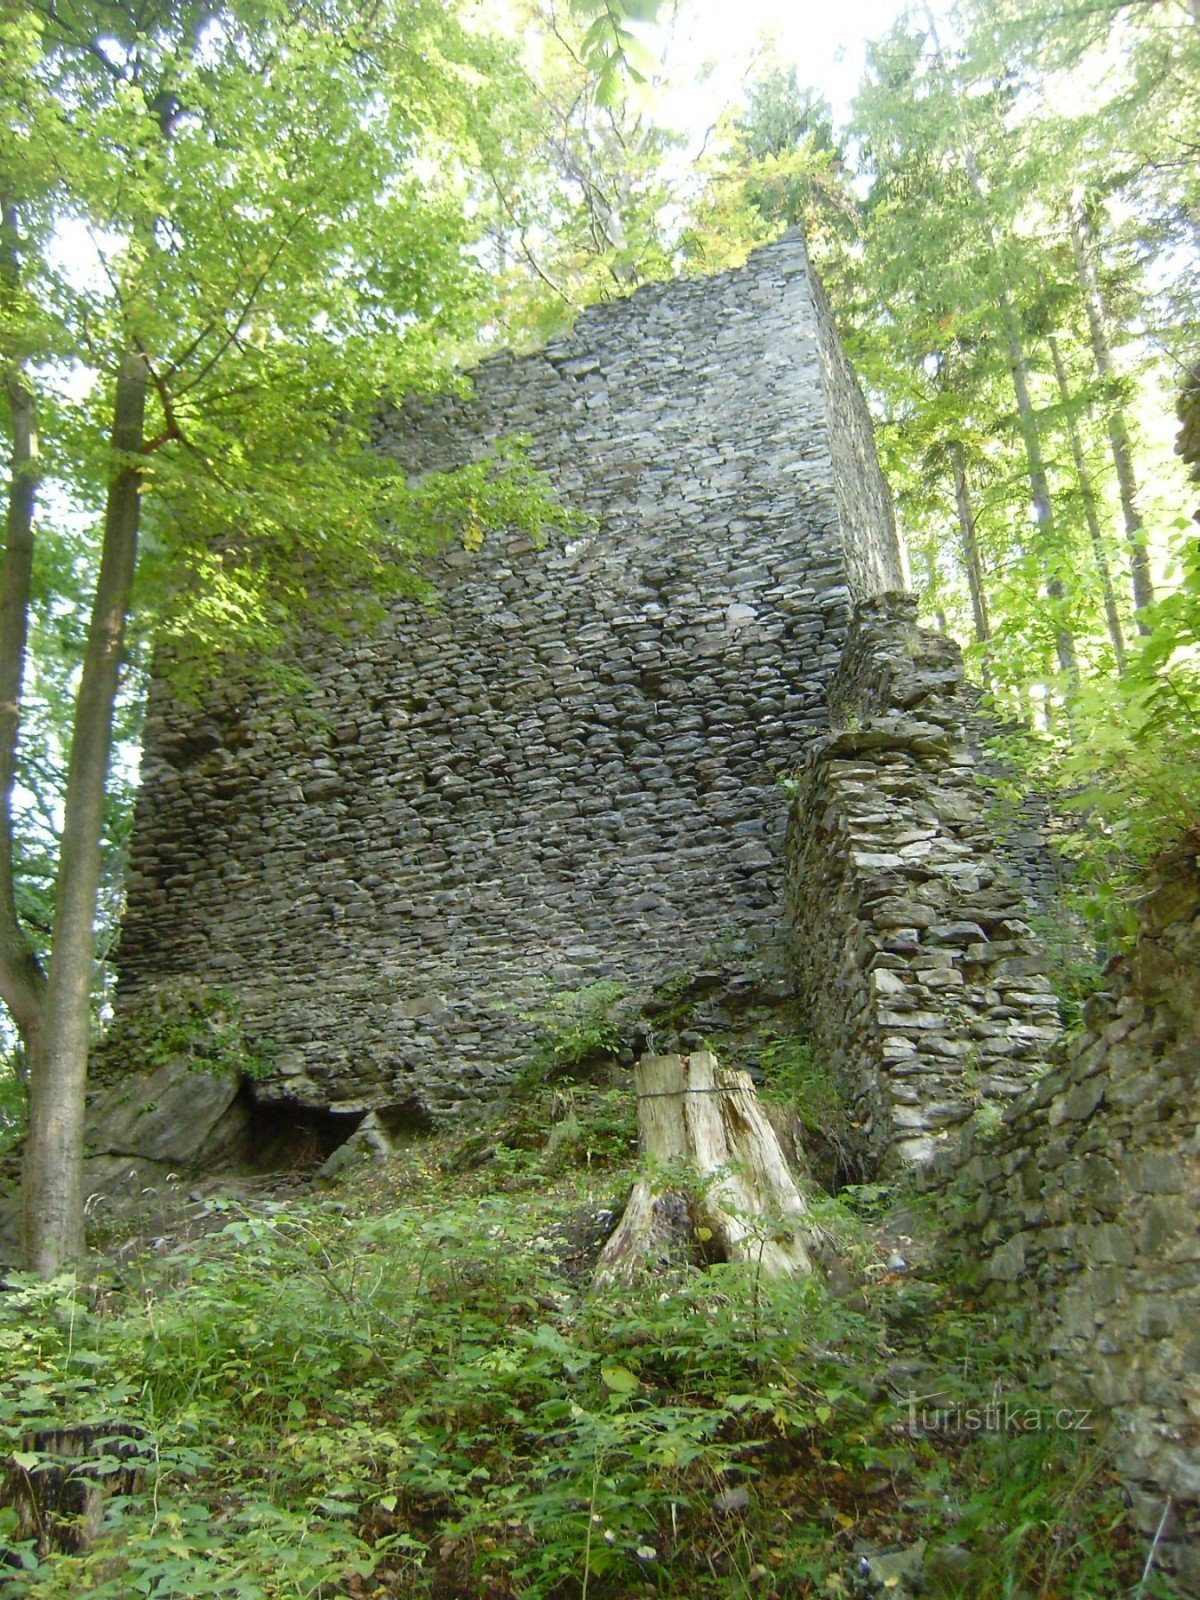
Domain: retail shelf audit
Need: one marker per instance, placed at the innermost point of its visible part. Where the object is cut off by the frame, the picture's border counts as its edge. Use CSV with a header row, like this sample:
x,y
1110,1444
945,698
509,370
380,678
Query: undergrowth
x,y
399,1390
192,1022
792,1075
577,1030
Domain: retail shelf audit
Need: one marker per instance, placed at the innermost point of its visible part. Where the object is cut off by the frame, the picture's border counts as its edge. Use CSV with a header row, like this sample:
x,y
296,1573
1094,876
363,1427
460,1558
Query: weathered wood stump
x,y
716,1175
59,1483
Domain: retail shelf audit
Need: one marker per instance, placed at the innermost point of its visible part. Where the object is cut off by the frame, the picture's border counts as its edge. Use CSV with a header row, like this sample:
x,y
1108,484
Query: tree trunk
x,y
22,982
970,544
1118,433
1039,483
718,1176
52,1193
1090,511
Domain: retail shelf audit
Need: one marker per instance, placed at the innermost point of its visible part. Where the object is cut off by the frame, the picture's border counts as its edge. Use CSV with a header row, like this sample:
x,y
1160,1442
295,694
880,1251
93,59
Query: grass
x,y
406,1388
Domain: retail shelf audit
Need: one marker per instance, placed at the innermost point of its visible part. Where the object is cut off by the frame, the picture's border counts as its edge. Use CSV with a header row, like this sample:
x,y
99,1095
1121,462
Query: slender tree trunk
x,y
1118,433
1039,483
970,544
53,1186
1090,511
22,983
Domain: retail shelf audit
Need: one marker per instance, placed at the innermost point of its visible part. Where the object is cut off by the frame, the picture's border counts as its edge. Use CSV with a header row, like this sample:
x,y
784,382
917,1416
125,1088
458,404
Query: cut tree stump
x,y
724,1180
60,1481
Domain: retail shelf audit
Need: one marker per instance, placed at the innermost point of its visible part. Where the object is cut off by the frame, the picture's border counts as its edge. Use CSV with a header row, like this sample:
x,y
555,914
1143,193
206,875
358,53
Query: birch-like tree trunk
x,y
1118,433
22,982
1039,484
1027,422
1090,510
52,1191
970,544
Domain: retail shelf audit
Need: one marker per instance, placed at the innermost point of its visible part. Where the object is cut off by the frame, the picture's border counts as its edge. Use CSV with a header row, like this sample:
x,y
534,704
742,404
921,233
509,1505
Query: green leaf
x,y
619,1379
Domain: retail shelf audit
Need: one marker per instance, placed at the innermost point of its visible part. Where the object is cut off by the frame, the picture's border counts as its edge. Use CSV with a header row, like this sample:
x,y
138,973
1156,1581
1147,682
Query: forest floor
x,y
403,1385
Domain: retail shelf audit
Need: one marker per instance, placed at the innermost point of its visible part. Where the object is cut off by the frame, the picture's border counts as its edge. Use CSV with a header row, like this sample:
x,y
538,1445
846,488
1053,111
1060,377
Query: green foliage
x,y
195,1021
579,1030
536,1138
1133,775
592,1126
343,1397
1071,964
578,196
869,1202
1031,1504
996,263
64,571
783,166
794,1076
260,610
14,1106
246,228
1124,775
611,48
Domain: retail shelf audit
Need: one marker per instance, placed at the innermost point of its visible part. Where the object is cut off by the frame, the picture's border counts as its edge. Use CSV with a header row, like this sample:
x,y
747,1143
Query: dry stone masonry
x,y
1081,1204
566,770
920,975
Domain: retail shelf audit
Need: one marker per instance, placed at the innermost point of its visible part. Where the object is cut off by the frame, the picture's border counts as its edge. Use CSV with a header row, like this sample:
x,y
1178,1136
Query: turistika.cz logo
x,y
925,1414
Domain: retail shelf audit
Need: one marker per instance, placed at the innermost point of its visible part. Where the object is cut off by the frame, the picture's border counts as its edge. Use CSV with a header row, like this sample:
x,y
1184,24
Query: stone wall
x,y
1028,833
1083,1200
875,564
566,769
923,983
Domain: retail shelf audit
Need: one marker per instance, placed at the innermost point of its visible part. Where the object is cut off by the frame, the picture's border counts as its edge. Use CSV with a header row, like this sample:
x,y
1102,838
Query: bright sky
x,y
825,39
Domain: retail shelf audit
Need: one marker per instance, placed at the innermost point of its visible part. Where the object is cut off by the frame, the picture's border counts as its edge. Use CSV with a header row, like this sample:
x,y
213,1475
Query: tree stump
x,y
59,1483
724,1180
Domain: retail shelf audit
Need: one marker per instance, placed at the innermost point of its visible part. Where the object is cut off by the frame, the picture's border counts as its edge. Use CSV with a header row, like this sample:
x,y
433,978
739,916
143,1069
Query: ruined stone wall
x,y
923,983
1082,1202
1029,833
566,769
874,563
